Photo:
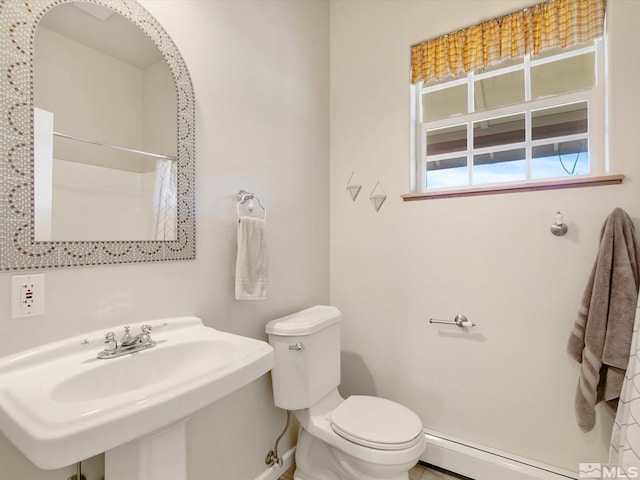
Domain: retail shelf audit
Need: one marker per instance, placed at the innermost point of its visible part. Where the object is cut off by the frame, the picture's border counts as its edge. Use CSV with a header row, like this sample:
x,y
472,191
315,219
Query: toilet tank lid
x,y
304,322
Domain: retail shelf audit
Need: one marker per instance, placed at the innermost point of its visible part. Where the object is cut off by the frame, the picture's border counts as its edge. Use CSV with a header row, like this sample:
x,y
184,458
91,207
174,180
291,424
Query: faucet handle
x,y
127,336
146,338
110,343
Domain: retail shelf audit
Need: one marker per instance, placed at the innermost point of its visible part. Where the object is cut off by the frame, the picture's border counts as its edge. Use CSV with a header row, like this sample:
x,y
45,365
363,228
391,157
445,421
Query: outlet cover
x,y
27,295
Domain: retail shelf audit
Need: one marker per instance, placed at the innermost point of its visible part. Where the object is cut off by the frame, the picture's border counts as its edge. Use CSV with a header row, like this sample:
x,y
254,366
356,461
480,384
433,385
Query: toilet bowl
x,y
358,438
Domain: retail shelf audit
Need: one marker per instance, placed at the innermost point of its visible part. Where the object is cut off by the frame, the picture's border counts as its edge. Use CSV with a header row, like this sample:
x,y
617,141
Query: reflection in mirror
x,y
19,249
105,123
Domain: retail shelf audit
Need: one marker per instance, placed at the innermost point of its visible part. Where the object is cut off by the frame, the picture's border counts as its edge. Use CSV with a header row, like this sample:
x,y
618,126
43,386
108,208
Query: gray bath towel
x,y
601,337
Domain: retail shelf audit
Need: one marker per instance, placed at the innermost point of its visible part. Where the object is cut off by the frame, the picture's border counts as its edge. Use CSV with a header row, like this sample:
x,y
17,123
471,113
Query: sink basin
x,y
173,363
59,404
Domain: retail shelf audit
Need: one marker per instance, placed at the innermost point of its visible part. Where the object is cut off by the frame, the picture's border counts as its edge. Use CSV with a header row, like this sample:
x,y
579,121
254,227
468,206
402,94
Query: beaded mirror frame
x,y
18,248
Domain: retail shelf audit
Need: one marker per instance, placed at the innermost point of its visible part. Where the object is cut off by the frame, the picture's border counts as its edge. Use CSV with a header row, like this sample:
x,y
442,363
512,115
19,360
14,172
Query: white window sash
x,y
596,118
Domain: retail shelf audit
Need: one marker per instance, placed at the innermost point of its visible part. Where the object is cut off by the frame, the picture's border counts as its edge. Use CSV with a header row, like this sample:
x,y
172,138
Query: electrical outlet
x,y
27,295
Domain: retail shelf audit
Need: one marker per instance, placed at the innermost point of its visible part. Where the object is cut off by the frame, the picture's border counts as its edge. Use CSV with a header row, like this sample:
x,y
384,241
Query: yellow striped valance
x,y
557,23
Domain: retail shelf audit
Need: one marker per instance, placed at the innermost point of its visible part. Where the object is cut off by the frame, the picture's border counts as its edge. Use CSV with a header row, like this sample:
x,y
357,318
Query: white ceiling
x,y
99,28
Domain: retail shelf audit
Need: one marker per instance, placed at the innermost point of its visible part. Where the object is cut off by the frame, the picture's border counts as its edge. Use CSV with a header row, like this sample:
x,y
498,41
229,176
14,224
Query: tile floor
x,y
419,472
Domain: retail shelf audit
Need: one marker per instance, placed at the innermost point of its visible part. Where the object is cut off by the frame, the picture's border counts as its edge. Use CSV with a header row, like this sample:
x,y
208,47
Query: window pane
x,y
560,159
451,172
560,121
447,140
499,131
495,167
444,103
568,75
558,50
509,62
500,90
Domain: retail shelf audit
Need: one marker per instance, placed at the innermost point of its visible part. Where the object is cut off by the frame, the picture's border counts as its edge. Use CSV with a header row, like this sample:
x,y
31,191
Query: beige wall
x,y
260,73
508,383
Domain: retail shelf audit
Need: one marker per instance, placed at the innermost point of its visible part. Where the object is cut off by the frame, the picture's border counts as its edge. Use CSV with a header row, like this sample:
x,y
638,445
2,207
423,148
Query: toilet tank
x,y
306,356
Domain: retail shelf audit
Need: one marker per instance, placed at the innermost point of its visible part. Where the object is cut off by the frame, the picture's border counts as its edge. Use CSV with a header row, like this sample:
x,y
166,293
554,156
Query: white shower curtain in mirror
x,y
625,439
165,200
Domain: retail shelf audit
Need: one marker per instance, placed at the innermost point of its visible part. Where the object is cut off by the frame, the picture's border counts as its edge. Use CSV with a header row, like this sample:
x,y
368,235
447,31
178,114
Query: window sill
x,y
521,187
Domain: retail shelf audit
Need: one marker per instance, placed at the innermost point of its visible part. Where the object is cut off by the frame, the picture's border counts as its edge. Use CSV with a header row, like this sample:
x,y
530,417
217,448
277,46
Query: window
x,y
515,119
534,119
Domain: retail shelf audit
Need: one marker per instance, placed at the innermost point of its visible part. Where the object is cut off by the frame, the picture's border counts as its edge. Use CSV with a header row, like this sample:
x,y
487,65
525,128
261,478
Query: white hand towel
x,y
252,264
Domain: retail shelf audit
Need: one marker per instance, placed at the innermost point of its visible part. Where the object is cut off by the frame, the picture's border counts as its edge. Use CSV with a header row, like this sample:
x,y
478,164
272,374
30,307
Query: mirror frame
x,y
18,249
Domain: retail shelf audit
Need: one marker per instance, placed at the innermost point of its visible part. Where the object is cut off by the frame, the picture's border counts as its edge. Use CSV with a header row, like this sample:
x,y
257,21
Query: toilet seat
x,y
376,423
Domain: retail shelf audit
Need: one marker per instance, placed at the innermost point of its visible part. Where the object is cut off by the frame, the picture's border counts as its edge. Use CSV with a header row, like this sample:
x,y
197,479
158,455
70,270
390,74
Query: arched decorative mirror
x,y
98,137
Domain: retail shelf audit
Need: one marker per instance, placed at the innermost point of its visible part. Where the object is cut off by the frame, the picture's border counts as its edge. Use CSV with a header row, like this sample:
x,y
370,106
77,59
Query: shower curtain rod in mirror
x,y
119,147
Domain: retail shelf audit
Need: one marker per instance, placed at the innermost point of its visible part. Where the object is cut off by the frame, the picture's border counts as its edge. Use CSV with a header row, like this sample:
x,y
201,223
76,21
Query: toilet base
x,y
316,460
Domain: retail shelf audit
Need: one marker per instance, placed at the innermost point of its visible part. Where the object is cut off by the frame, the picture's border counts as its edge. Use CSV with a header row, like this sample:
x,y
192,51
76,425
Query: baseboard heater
x,y
484,463
459,456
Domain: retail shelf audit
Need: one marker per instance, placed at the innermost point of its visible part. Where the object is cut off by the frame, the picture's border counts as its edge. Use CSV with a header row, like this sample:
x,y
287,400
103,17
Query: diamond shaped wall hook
x,y
378,196
354,185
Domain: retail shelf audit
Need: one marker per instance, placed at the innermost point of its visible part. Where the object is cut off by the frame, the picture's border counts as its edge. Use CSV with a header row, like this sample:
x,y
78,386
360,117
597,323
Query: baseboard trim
x,y
274,472
484,463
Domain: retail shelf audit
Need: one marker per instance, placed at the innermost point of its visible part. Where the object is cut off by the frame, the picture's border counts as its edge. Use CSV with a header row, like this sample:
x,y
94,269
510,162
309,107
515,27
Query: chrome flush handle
x,y
297,346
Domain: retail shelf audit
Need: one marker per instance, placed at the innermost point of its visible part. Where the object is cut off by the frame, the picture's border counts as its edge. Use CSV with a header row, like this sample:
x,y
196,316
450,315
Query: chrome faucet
x,y
128,343
143,337
126,339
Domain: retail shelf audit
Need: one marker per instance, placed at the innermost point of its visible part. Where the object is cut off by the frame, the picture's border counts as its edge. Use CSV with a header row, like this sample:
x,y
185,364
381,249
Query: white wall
x,y
98,203
160,109
508,383
93,96
260,72
99,97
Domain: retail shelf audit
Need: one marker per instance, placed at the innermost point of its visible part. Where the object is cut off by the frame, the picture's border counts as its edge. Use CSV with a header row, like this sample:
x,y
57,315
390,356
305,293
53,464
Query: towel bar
x,y
244,196
460,320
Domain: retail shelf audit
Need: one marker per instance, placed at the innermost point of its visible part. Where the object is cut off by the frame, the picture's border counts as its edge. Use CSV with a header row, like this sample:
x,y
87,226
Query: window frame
x,y
596,133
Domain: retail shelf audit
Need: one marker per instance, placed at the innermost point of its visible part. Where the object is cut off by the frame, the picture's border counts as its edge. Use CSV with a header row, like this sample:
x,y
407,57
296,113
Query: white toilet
x,y
360,438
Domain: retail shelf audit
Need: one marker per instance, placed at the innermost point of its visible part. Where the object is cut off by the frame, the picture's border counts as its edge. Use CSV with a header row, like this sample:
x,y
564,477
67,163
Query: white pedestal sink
x,y
59,404
161,456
